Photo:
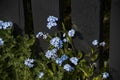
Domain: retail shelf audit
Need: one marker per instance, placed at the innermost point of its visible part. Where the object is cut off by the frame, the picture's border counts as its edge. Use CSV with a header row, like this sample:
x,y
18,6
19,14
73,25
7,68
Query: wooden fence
x,y
85,16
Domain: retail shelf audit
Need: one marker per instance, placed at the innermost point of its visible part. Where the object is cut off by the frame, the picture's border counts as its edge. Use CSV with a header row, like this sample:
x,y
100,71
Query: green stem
x,y
72,44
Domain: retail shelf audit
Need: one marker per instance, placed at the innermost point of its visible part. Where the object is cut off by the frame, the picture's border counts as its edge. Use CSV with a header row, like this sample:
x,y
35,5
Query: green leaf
x,y
50,72
94,57
80,54
63,26
54,67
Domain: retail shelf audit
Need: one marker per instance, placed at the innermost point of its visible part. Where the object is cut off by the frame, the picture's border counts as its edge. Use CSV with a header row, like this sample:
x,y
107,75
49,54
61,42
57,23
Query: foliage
x,y
59,62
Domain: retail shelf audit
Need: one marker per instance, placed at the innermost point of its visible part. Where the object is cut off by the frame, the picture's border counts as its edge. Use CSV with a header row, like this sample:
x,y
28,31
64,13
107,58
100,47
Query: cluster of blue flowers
x,y
1,42
29,62
42,34
56,42
68,67
51,54
59,61
51,21
5,25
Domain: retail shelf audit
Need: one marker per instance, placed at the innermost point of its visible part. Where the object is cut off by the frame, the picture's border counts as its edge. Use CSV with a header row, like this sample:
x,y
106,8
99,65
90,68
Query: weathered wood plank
x,y
12,10
115,40
41,10
86,20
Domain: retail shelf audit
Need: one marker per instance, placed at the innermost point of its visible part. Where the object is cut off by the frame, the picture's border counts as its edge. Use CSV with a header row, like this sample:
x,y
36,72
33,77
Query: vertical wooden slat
x,y
115,40
41,10
85,20
12,10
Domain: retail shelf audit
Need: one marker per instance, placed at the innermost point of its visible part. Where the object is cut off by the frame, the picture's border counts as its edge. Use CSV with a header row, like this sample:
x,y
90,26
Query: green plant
x,y
59,62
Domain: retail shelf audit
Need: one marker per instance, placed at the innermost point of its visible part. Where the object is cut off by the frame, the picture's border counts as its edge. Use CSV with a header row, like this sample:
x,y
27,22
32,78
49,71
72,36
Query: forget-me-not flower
x,y
51,54
6,25
41,74
95,42
29,62
68,68
1,42
64,40
39,34
45,36
56,42
64,57
51,21
51,24
74,60
71,33
105,75
42,34
102,44
59,61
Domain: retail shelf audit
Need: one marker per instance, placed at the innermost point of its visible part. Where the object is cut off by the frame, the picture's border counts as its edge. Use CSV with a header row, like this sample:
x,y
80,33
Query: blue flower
x,y
59,61
39,34
64,57
51,54
74,60
71,33
102,44
64,34
42,34
41,74
105,75
56,42
1,42
29,62
45,36
68,68
95,42
6,25
64,40
51,24
51,21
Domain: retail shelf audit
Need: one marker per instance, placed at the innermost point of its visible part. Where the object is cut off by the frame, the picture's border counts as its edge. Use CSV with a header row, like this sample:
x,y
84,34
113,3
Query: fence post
x,y
41,10
85,19
115,40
